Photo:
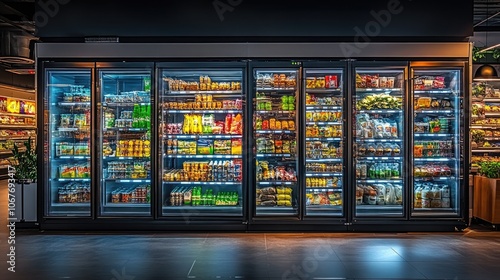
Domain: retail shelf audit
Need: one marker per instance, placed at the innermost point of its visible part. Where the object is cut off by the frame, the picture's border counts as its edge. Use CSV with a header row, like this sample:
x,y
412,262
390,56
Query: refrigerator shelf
x,y
78,204
274,155
277,182
448,91
323,139
125,129
322,174
128,180
198,136
434,111
276,89
72,179
123,104
492,138
325,160
70,129
118,158
398,180
71,104
188,92
324,123
316,189
200,183
325,207
72,157
125,204
437,158
273,112
323,90
223,209
486,126
221,111
203,156
377,89
378,158
433,135
275,131
323,108
379,207
378,140
438,178
379,111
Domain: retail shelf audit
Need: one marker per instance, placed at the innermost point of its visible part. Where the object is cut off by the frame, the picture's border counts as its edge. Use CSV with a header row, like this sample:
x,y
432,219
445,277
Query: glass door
x,y
274,140
324,146
67,136
379,141
437,140
125,142
201,135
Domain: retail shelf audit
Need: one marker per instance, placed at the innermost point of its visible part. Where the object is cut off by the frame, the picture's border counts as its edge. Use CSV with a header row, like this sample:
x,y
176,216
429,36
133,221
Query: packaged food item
x,y
424,103
310,82
204,147
331,81
236,146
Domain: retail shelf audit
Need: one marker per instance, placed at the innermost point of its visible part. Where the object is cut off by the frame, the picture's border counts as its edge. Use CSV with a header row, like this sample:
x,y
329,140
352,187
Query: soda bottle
x,y
147,84
135,116
148,116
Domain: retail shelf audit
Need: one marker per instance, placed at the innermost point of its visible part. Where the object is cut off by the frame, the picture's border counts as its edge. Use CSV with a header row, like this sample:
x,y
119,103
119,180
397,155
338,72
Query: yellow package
x,y
291,125
284,125
278,125
272,124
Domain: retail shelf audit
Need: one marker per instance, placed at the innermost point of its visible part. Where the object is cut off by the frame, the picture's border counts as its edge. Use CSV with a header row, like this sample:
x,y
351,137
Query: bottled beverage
x,y
148,116
135,116
147,84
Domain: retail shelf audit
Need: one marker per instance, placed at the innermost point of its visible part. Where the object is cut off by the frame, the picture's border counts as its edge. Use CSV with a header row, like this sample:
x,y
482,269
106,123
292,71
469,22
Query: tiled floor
x,y
473,254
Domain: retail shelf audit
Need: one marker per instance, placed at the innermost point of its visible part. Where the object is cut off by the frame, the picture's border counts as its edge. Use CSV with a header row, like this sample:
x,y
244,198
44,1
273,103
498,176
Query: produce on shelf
x,y
477,136
380,101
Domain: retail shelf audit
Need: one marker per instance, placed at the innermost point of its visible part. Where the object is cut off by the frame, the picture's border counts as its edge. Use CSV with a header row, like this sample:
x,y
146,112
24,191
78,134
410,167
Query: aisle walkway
x,y
472,254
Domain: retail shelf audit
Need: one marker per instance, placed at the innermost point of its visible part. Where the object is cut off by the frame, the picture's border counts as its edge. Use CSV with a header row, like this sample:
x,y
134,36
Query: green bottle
x,y
135,116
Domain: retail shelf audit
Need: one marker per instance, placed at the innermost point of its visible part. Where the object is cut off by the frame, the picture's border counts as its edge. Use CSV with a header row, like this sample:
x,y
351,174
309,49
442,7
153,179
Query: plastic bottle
x,y
135,116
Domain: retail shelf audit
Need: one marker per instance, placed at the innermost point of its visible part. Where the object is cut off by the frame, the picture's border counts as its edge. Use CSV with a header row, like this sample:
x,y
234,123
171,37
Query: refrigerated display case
x,y
124,141
67,166
201,134
274,141
438,135
379,141
324,141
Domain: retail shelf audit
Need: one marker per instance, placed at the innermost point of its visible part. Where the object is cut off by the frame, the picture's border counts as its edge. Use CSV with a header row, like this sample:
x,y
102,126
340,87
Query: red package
x,y
331,81
227,123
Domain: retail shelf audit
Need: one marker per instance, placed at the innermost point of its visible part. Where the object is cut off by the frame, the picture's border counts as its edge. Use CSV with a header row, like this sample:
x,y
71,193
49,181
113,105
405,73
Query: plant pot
x,y
487,199
26,200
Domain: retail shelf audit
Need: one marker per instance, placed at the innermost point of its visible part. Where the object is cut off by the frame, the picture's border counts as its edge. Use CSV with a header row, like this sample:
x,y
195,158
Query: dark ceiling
x,y
18,14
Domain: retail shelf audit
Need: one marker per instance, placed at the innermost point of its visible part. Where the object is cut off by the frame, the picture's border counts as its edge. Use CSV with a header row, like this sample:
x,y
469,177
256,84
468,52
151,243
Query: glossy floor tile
x,y
473,254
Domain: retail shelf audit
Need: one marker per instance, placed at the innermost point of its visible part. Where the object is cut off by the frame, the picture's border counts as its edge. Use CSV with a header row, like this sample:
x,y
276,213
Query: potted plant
x,y
24,162
487,192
